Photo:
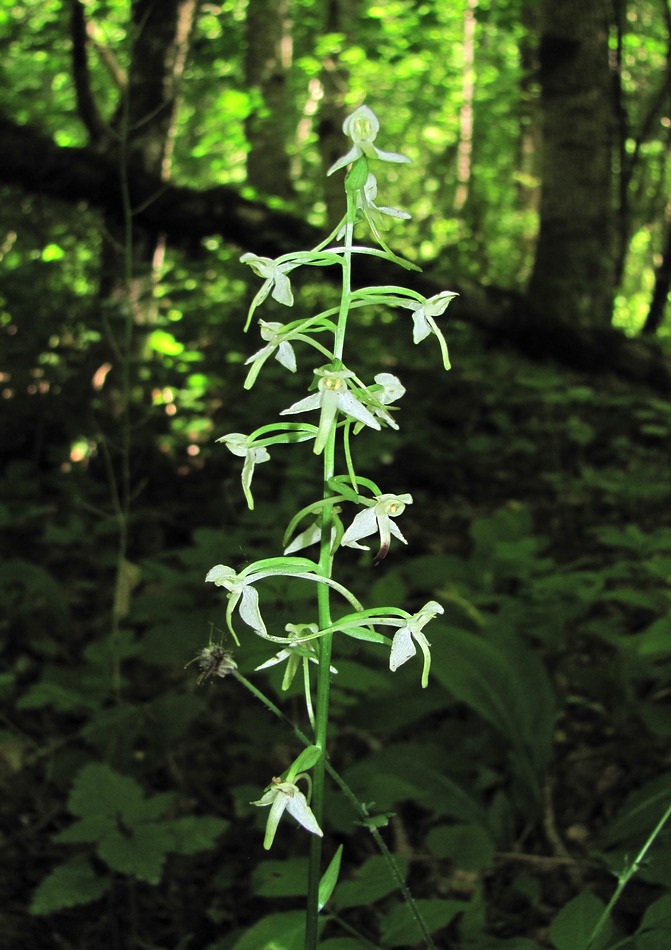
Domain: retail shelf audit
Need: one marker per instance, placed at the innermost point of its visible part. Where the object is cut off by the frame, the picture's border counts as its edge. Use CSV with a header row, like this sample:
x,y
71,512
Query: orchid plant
x,y
346,405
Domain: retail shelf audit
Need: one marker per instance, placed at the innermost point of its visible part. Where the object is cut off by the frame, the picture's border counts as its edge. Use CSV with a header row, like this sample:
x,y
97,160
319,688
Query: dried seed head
x,y
213,660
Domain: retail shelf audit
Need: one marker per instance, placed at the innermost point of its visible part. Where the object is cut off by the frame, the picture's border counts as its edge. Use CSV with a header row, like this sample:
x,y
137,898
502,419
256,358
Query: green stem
x,y
323,696
626,876
324,606
346,296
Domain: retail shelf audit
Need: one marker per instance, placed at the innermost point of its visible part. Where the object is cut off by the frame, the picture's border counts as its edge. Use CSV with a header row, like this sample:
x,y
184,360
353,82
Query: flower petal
x,y
303,405
221,576
263,352
402,648
299,809
236,443
276,811
351,156
393,212
421,328
391,156
396,531
254,457
249,610
282,290
364,524
349,404
285,356
437,305
273,661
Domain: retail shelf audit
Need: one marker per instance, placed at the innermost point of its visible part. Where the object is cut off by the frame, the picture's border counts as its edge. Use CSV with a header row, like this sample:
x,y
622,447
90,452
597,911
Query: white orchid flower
x,y
374,214
362,127
274,334
299,651
424,322
284,796
241,594
391,390
253,455
311,535
377,517
333,395
277,284
403,648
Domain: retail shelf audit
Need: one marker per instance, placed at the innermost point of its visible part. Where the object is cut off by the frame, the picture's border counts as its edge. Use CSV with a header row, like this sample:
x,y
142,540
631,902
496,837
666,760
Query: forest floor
x,y
541,507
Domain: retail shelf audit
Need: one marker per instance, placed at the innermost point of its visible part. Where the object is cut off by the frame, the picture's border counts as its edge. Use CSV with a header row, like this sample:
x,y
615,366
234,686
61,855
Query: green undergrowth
x,y
544,531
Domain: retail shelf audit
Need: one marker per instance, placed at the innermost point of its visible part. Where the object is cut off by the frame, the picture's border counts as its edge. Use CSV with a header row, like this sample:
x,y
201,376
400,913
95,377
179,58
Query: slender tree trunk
x,y
573,275
660,293
268,59
529,144
145,125
465,146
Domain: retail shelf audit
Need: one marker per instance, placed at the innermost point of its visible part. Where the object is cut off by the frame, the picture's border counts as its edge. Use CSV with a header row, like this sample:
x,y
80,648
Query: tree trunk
x,y
145,125
465,145
269,54
573,274
660,293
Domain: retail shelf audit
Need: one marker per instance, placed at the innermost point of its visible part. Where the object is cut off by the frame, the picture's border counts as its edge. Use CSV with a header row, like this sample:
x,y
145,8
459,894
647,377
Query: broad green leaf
x,y
372,881
37,584
98,789
74,882
469,846
341,943
654,643
403,771
656,718
52,695
655,928
193,833
572,927
400,929
91,828
287,878
641,811
516,701
285,931
140,854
